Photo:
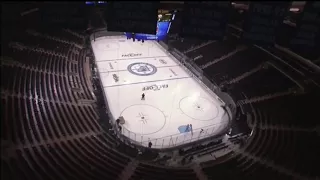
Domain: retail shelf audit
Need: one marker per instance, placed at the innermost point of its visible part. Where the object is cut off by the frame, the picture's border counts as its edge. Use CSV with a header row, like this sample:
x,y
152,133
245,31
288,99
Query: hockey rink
x,y
173,98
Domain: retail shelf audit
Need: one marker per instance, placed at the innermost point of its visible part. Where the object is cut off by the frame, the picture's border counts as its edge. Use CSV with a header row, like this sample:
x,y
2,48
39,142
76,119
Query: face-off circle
x,y
143,119
142,69
198,108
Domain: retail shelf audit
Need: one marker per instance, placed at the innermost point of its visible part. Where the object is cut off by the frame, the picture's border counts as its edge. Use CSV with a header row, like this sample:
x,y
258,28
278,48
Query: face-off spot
x,y
143,119
198,108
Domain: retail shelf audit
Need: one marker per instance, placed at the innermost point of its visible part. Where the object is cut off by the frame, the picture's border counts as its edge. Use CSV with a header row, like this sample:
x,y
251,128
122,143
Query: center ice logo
x,y
142,69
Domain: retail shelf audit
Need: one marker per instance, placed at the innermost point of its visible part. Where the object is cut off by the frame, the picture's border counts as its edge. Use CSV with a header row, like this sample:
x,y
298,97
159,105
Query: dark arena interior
x,y
54,119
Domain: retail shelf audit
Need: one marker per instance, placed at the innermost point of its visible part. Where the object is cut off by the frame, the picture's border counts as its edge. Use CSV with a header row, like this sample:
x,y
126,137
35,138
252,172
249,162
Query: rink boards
x,y
173,98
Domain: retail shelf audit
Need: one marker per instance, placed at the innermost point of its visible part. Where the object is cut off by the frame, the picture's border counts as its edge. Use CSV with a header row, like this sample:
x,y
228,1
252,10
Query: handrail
x,y
194,131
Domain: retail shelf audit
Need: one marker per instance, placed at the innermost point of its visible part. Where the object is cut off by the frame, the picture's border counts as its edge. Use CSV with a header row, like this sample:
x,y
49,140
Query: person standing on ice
x,y
142,96
187,128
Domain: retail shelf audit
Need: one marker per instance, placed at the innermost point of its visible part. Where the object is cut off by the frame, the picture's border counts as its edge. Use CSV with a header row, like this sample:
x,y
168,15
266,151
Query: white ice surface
x,y
181,99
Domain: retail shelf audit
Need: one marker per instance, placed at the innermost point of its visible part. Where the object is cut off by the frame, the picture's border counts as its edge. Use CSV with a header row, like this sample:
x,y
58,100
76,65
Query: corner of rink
x,y
177,108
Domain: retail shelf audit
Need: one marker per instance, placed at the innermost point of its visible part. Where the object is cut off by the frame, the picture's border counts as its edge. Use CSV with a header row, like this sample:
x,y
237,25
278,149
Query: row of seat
x,y
58,138
144,171
199,148
31,120
286,148
84,67
241,167
185,44
50,65
50,129
284,133
289,111
43,85
213,50
41,61
80,158
265,81
235,65
68,35
272,140
53,41
51,135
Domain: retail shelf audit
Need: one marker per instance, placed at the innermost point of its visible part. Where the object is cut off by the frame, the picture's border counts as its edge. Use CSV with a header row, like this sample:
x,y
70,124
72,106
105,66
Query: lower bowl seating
x,y
51,118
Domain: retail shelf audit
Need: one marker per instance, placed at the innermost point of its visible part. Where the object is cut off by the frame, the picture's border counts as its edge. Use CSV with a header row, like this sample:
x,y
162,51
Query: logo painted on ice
x,y
174,73
142,69
111,66
115,77
155,87
163,61
131,55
